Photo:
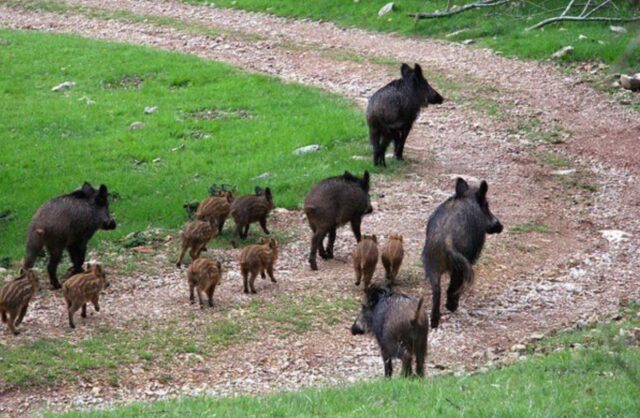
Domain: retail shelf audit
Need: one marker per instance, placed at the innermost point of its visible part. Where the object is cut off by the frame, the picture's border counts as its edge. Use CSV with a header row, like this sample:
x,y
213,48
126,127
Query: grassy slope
x,y
589,373
499,28
52,142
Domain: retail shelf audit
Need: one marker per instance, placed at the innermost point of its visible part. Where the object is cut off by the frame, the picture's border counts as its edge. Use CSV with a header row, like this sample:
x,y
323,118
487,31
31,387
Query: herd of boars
x,y
455,235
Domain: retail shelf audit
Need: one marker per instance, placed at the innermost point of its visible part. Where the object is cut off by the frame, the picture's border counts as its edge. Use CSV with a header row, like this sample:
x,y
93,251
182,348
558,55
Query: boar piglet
x,y
400,326
256,259
83,288
215,209
332,203
15,297
392,255
246,210
196,235
393,109
68,222
365,259
454,239
203,275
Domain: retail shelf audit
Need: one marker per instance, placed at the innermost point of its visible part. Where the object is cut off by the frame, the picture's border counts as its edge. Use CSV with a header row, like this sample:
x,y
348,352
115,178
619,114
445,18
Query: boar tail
x,y
461,271
416,318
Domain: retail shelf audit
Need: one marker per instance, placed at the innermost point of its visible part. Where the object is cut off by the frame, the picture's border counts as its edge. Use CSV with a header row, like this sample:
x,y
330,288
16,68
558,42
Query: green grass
x,y
499,28
527,227
52,142
598,377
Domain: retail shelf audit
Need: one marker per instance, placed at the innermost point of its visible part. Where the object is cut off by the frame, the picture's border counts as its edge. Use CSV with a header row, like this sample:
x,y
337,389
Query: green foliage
x,y
214,124
500,28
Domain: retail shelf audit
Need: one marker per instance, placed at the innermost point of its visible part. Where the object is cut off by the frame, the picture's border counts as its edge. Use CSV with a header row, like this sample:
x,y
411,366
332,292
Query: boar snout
x,y
356,329
109,225
434,97
495,227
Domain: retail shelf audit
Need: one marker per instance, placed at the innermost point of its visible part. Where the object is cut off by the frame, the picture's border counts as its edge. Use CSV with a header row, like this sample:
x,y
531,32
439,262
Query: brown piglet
x,y
215,209
15,297
246,210
83,288
365,259
392,255
196,235
203,275
258,259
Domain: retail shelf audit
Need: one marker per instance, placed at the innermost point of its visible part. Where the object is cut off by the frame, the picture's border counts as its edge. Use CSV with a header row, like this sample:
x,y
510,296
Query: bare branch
x,y
471,6
582,19
586,6
568,8
595,9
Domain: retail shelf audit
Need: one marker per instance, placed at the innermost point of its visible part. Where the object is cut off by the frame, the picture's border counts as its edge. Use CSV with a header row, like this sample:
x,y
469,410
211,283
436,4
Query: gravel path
x,y
527,283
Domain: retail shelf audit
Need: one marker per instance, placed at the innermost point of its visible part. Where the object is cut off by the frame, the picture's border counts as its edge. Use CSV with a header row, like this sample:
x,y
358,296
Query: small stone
x,y
630,82
135,126
262,176
536,337
563,52
387,8
150,109
178,148
156,160
618,29
307,149
95,391
614,235
468,42
582,37
518,348
563,172
64,86
359,157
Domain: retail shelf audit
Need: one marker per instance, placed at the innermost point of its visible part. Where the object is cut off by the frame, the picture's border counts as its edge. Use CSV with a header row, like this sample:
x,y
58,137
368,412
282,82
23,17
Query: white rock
x,y
135,126
615,235
3,270
518,348
562,52
64,86
307,149
564,172
387,8
468,42
262,176
536,337
618,29
582,37
95,391
150,109
630,82
359,157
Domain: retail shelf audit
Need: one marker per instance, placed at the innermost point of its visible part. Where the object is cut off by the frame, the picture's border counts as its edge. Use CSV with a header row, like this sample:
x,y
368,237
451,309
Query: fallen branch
x,y
471,6
582,19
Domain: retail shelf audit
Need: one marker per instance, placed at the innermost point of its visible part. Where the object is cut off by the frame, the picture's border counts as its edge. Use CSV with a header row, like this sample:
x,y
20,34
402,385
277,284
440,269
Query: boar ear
x,y
258,190
267,194
484,188
103,195
461,187
418,70
405,70
365,181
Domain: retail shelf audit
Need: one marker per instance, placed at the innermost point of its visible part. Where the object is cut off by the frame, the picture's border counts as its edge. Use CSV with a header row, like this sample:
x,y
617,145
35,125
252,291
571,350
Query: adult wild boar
x,y
393,109
455,236
68,221
332,203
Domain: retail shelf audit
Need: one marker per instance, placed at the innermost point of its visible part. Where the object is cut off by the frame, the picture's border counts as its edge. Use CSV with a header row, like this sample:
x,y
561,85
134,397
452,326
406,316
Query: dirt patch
x,y
528,281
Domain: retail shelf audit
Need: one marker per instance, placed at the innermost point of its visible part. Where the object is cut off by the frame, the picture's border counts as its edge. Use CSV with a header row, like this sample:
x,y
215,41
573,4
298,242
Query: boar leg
x,y
358,269
210,294
55,255
23,312
191,295
434,279
4,316
387,268
332,240
355,226
221,222
407,366
270,271
77,253
421,353
388,366
95,303
71,310
263,224
399,143
252,280
316,241
12,318
84,310
245,281
239,231
200,298
246,231
374,139
184,250
453,291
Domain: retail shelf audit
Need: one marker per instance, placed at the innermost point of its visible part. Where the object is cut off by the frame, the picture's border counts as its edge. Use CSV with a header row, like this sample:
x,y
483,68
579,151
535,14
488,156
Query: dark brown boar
x,y
392,255
215,209
196,235
246,210
400,326
256,259
15,297
82,288
365,259
332,203
203,275
68,221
